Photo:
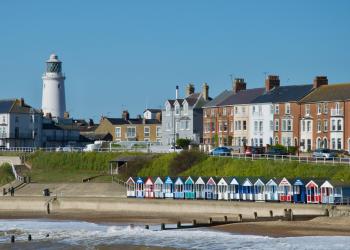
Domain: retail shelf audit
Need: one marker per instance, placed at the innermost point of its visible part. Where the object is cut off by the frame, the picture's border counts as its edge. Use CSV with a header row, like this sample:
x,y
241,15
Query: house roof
x,y
132,121
284,94
15,106
192,100
219,99
153,110
333,92
243,96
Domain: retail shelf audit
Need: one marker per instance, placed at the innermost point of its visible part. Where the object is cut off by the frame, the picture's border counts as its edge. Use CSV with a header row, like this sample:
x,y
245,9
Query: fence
x,y
290,158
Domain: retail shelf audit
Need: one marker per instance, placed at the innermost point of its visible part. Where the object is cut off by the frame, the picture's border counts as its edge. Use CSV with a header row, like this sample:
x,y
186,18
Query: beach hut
x,y
159,188
271,190
168,188
130,187
285,190
259,190
299,191
140,191
331,194
234,189
149,188
211,189
247,190
223,188
189,188
199,187
179,189
313,192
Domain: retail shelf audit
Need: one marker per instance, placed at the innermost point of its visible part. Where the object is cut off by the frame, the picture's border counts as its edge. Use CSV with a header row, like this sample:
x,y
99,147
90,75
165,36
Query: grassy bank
x,y
6,175
73,167
69,167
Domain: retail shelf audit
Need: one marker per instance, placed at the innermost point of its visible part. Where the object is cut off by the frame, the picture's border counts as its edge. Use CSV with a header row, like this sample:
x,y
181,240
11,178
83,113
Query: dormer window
x,y
307,109
185,108
167,109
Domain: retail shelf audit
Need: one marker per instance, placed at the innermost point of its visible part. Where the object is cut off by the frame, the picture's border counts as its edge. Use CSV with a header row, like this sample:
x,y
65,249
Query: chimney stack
x,y
272,81
189,89
239,85
159,116
91,122
21,102
205,91
320,81
66,115
125,115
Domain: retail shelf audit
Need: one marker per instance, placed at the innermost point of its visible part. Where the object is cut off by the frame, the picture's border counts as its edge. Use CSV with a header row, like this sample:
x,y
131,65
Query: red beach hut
x,y
313,192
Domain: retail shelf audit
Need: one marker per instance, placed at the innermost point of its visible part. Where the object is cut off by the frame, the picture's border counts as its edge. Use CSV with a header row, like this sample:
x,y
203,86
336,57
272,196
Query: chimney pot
x,y
320,81
125,115
177,92
239,85
189,89
205,91
271,82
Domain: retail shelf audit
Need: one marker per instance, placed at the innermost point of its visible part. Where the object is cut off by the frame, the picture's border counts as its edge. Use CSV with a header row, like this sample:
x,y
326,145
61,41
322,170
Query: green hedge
x,y
6,174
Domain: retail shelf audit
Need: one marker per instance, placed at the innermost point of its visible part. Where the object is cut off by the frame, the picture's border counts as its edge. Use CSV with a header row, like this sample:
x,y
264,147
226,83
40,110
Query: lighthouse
x,y
54,99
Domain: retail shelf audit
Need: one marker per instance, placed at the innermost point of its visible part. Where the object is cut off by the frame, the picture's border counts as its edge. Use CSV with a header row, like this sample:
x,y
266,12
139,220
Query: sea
x,y
48,234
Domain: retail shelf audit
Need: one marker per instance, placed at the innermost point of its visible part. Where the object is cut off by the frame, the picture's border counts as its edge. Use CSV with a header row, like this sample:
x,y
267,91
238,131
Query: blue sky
x,y
131,54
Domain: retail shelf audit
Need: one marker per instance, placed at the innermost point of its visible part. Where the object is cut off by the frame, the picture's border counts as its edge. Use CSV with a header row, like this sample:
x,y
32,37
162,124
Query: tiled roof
x,y
219,99
121,121
153,110
14,106
243,97
284,94
333,92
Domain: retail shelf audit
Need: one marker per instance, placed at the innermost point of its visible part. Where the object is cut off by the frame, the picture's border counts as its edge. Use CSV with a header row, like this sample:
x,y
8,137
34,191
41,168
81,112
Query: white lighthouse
x,y
54,99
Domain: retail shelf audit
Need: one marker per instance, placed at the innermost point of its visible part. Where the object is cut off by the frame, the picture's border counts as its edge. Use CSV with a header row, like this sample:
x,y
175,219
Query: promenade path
x,y
72,190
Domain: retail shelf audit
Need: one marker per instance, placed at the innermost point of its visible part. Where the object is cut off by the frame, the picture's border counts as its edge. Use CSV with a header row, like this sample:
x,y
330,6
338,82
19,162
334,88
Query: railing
x,y
337,112
286,158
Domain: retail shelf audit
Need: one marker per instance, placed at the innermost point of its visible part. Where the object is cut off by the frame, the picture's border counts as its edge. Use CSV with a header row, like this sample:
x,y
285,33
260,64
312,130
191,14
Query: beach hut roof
x,y
315,182
272,182
259,182
212,180
201,180
150,180
131,179
140,180
168,180
223,181
247,182
189,180
158,180
298,182
234,181
179,181
284,182
327,184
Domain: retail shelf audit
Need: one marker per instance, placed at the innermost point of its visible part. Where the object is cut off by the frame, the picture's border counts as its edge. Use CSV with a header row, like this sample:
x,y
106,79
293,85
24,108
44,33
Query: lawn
x,y
6,175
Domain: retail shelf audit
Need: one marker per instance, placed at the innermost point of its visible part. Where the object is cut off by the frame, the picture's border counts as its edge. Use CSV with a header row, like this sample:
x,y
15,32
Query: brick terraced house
x,y
325,117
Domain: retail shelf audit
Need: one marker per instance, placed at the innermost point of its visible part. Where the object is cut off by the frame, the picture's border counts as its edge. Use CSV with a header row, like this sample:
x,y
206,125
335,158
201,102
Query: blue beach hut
x,y
189,188
299,191
247,190
140,192
179,189
168,187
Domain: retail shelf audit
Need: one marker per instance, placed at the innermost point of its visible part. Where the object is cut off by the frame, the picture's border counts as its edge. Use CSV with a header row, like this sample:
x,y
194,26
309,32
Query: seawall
x,y
161,207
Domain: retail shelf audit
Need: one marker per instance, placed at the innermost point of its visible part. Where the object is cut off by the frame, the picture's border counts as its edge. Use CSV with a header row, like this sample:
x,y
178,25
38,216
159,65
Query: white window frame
x,y
144,131
287,109
118,134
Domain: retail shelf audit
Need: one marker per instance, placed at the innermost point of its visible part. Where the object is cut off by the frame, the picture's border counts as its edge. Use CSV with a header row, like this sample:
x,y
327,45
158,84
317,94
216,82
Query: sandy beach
x,y
321,226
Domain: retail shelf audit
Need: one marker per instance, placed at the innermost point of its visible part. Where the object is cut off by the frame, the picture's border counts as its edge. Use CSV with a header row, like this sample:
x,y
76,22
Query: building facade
x,y
20,124
183,118
131,129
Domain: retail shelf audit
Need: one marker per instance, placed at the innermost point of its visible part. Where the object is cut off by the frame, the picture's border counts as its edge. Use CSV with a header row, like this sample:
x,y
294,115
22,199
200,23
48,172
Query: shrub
x,y
184,161
183,142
